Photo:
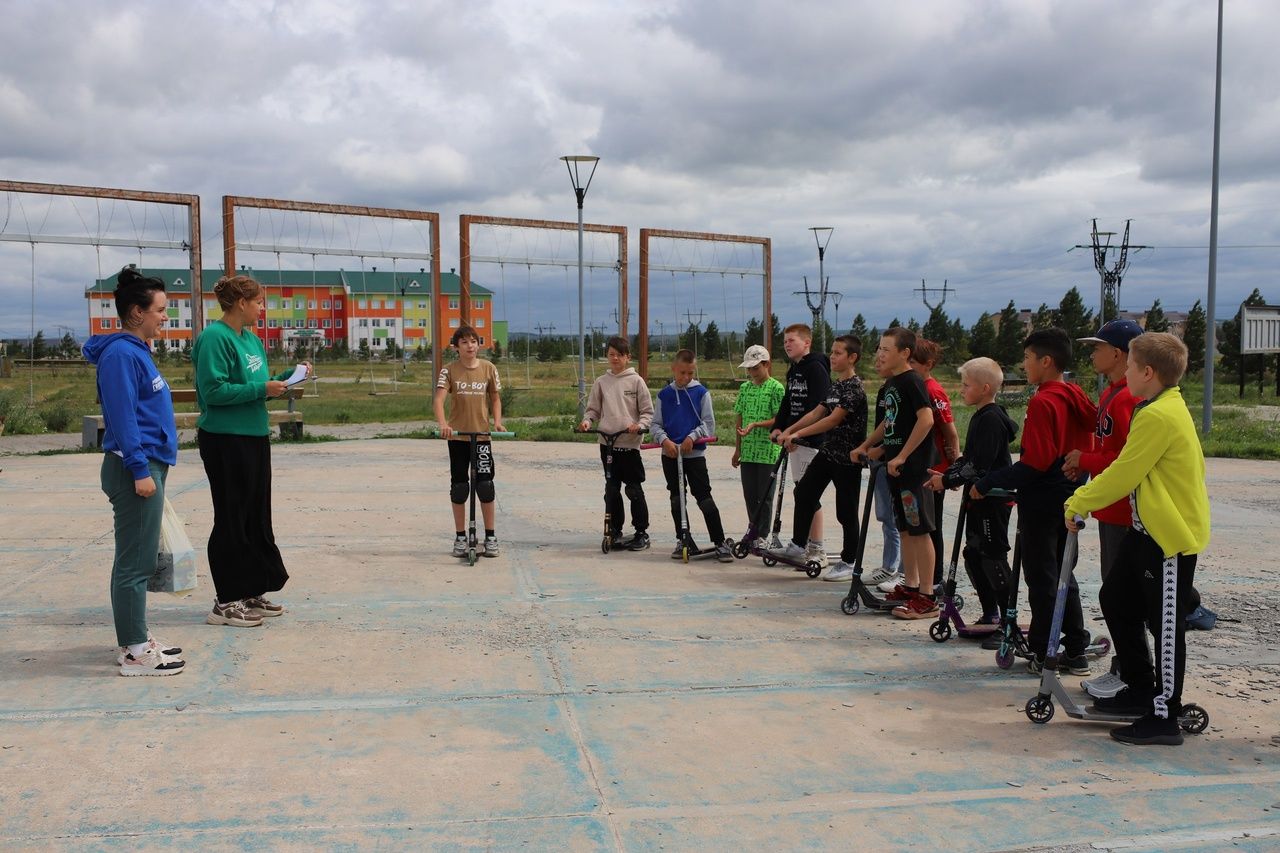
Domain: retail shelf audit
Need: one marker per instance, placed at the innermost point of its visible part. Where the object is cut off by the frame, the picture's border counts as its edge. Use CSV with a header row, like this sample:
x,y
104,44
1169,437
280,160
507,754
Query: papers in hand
x,y
299,374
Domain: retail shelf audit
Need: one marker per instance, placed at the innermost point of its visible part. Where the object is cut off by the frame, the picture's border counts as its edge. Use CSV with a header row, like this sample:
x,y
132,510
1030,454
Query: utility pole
x,y
925,290
550,330
697,327
662,340
817,302
595,330
1110,278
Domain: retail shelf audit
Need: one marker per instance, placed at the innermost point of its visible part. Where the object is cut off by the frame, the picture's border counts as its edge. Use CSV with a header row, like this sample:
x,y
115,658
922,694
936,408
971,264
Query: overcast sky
x,y
963,140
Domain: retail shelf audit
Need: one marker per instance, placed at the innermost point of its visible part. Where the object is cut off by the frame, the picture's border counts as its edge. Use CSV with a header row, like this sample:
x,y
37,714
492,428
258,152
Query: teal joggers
x,y
137,523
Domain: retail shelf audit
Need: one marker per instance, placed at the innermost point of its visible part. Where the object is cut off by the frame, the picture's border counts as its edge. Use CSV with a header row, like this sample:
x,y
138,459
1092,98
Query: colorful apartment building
x,y
370,307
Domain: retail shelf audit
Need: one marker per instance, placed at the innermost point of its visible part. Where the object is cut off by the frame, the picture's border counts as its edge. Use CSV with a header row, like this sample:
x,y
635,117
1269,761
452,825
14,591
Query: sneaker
x,y
919,607
152,643
639,542
460,546
1035,665
1150,729
882,575
790,552
991,643
1126,701
1202,619
150,662
890,583
760,544
900,593
1074,665
724,553
490,546
815,553
989,619
234,614
1104,686
775,544
262,607
678,552
840,571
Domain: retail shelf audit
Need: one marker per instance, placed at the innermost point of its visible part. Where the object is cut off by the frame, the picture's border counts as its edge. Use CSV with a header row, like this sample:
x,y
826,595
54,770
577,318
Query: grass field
x,y
540,399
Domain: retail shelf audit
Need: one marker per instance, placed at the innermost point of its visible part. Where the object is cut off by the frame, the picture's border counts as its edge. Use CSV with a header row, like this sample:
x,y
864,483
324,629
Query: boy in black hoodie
x,y
808,380
986,448
1060,418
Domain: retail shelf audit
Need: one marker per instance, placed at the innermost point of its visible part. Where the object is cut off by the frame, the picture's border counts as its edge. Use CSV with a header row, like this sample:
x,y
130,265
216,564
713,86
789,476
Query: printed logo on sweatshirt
x,y
157,384
253,363
1106,426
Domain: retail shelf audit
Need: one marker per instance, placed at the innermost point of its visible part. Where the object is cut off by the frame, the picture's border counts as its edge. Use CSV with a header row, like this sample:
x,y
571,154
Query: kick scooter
x,y
607,542
688,548
1039,708
940,631
859,593
472,541
747,544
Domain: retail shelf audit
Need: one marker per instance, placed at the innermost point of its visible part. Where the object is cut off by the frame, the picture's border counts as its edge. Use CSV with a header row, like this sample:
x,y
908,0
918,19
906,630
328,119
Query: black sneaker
x,y
992,643
678,553
1127,701
1150,730
1074,665
639,542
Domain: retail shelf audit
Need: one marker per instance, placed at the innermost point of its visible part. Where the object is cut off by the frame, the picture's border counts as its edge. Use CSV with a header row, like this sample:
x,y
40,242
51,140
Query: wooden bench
x,y
289,420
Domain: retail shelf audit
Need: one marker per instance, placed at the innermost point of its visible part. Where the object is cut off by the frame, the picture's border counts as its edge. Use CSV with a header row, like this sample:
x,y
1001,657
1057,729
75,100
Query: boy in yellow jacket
x,y
1161,468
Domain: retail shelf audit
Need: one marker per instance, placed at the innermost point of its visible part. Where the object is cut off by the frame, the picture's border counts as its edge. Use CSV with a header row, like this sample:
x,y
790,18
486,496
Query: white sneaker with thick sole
x,y
164,649
881,575
791,551
818,555
891,583
460,546
151,662
840,571
1104,686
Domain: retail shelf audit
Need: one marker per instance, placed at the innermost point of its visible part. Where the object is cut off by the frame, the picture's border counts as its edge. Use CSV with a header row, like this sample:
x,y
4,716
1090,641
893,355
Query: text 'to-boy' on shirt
x,y
469,389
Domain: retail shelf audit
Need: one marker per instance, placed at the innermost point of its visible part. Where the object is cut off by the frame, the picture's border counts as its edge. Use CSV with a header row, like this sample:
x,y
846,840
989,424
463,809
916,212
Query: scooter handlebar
x,y
489,433
654,445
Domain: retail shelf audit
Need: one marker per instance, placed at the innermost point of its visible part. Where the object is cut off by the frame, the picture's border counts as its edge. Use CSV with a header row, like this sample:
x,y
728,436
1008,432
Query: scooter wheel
x,y
740,550
813,568
849,605
605,545
1193,719
1004,657
957,601
471,556
940,631
1102,646
769,561
1039,709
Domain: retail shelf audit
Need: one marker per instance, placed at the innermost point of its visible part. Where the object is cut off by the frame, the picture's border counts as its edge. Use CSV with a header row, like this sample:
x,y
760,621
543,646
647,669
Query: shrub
x,y
57,416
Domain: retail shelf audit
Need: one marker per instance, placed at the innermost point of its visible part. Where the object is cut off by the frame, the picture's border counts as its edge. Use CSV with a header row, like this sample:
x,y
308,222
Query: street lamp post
x,y
574,163
822,236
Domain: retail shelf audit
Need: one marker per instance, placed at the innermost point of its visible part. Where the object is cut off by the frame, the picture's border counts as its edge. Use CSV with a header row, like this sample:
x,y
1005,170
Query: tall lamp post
x,y
575,163
822,236
404,331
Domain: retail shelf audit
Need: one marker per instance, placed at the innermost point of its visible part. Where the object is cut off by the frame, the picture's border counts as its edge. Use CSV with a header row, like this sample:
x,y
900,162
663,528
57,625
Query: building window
x,y
422,324
364,322
453,303
391,323
477,304
479,322
422,306
259,324
173,324
311,304
187,323
377,324
328,324
339,322
376,303
454,322
324,305
360,303
271,324
272,304
391,304
481,341
338,305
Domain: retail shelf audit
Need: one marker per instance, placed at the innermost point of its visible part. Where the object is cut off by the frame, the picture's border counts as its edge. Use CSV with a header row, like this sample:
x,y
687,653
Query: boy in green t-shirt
x,y
1161,469
754,454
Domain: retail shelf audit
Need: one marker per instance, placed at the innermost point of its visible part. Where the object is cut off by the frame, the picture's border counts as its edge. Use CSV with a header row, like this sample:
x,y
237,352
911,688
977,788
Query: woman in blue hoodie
x,y
140,443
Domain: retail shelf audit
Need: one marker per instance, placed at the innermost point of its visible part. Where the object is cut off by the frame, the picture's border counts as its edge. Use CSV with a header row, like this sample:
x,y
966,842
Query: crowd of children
x,y
1137,444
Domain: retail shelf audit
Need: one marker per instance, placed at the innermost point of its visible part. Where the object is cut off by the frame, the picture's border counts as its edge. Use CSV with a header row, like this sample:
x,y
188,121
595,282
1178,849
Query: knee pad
x,y
458,492
634,491
485,491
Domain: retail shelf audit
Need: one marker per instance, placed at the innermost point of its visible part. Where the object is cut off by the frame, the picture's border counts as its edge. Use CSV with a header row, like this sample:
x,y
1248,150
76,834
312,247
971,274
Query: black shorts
x,y
460,460
912,505
628,467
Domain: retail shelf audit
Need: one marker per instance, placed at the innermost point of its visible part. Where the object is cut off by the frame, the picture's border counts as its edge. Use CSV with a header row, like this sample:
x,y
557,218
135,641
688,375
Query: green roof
x,y
176,280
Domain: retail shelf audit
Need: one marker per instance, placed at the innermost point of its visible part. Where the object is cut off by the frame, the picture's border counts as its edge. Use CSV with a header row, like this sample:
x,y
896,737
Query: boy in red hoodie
x,y
1060,418
1110,358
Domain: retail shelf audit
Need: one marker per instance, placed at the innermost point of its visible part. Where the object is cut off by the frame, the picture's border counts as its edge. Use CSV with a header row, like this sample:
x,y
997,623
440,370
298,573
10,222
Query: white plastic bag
x,y
176,562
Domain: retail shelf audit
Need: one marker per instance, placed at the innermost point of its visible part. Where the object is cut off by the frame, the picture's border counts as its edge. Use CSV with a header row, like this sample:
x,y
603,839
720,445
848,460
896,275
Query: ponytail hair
x,y
135,290
230,289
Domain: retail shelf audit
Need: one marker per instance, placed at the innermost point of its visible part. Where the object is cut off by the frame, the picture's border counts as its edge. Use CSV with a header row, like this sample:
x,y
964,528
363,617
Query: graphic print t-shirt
x,y
849,395
468,389
904,396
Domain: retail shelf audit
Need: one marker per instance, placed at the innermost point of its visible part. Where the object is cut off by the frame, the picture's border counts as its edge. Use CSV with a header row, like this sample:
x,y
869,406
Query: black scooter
x,y
859,593
607,542
473,544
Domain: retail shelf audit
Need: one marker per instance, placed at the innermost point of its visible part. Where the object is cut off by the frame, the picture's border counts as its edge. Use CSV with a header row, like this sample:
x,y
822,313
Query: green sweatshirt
x,y
231,381
1162,465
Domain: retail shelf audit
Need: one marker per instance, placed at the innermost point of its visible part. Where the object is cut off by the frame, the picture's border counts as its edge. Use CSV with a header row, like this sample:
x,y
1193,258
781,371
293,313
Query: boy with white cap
x,y
754,455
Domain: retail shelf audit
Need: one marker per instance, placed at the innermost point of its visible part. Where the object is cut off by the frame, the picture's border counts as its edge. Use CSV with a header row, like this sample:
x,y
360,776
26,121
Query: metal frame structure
x,y
766,274
187,200
229,244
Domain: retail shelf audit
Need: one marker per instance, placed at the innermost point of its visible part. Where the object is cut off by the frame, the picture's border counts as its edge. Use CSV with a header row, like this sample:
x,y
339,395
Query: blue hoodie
x,y
136,404
678,419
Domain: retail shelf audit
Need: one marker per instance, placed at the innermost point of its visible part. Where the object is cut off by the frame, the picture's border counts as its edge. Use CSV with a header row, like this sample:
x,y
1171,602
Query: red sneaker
x,y
900,593
919,607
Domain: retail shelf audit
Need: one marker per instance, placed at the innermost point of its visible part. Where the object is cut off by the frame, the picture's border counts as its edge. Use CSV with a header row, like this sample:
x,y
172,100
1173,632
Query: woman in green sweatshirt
x,y
232,387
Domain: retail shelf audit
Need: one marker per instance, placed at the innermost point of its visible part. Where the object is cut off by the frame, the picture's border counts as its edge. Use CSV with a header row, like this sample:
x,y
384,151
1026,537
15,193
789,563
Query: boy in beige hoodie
x,y
619,402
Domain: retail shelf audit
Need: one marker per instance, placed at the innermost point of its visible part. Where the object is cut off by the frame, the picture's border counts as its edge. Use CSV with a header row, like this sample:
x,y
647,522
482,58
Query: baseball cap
x,y
754,355
1118,333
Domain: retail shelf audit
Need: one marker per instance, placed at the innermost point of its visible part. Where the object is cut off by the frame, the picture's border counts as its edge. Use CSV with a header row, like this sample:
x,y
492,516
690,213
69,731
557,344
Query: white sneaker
x,y
792,552
1104,686
460,546
150,662
891,583
815,553
775,544
881,575
760,545
164,649
840,571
